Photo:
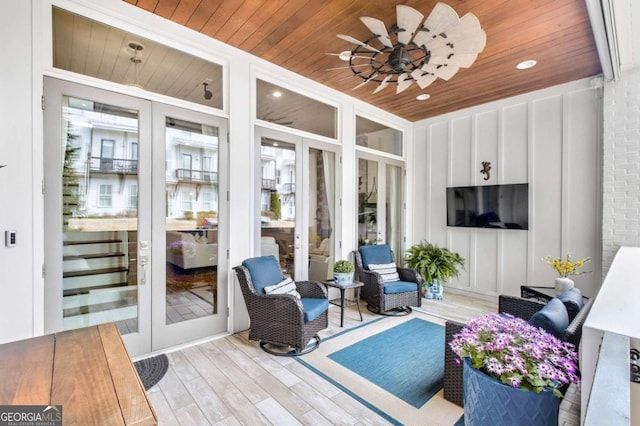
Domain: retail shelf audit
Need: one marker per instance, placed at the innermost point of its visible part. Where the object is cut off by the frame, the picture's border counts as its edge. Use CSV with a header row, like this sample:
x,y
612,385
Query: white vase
x,y
563,284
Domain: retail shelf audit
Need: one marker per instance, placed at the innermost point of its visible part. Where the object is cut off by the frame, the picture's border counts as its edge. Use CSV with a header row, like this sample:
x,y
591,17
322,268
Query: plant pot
x,y
434,290
343,277
487,401
563,284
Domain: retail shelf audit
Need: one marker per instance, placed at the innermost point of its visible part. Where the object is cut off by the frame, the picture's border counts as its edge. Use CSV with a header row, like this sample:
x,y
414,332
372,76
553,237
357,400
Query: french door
x,y
296,195
127,239
380,201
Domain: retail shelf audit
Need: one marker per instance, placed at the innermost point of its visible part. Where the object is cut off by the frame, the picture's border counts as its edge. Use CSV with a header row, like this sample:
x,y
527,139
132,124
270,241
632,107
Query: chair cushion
x,y
552,317
378,255
387,271
399,287
264,271
572,300
286,286
313,307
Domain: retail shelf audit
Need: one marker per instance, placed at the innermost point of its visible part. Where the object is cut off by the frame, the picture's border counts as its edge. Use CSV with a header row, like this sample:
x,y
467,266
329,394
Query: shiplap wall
x,y
549,139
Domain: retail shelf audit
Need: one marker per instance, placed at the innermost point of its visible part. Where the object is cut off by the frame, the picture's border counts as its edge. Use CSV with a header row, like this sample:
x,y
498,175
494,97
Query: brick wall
x,y
621,165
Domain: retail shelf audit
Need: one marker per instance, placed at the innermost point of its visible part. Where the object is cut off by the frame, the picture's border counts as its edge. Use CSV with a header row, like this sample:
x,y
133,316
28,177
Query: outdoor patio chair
x,y
285,316
388,290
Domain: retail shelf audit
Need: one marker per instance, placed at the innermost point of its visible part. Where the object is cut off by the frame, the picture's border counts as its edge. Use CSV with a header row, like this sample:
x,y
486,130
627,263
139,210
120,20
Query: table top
x,y
88,371
354,284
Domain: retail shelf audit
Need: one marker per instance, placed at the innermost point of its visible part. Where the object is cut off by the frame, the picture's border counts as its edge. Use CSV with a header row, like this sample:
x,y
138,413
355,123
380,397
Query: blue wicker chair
x,y
284,324
387,297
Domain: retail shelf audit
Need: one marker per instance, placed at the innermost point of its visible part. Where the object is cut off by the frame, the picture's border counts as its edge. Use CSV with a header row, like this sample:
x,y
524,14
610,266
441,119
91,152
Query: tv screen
x,y
491,206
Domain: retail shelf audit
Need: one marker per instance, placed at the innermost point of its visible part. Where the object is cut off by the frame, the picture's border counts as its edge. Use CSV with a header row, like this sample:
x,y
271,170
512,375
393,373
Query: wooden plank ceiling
x,y
298,34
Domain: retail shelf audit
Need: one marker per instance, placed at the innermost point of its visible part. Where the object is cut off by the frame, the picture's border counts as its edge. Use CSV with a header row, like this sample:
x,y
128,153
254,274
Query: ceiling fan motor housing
x,y
399,59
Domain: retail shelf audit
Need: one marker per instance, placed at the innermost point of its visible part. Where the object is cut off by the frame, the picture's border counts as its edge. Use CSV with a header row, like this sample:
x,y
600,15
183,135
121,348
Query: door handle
x,y
144,260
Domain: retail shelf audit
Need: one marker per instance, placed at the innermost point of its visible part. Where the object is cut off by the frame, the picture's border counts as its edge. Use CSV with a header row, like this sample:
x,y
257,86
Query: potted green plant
x,y
435,264
343,272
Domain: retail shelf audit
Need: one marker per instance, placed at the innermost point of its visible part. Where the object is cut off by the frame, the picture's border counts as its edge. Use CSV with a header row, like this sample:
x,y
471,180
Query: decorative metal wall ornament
x,y
412,52
486,169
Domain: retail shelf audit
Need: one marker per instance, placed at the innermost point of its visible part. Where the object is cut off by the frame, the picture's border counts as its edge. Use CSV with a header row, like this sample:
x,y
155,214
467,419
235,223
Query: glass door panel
x,y
380,202
297,204
393,209
96,271
278,203
322,213
191,228
189,297
368,203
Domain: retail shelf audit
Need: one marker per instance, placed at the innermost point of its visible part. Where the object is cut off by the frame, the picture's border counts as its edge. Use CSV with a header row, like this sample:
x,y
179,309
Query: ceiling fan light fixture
x,y
413,50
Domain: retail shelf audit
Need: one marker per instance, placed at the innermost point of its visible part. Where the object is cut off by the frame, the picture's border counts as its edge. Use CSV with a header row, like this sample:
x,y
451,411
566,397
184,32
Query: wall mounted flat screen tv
x,y
490,206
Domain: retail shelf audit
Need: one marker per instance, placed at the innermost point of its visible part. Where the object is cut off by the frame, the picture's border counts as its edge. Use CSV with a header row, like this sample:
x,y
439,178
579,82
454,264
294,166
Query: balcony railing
x,y
191,175
269,184
113,165
289,187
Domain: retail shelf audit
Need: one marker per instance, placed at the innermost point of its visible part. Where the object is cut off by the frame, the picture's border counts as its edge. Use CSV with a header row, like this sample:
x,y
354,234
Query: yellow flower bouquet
x,y
565,267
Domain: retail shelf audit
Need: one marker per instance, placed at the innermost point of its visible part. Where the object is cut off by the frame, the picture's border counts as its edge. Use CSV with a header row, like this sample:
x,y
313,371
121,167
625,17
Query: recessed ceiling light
x,y
423,97
525,65
345,56
276,94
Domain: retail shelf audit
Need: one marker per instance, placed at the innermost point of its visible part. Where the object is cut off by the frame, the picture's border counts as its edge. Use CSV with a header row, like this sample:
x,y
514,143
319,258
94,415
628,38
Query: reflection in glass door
x,y
96,270
189,300
297,204
380,202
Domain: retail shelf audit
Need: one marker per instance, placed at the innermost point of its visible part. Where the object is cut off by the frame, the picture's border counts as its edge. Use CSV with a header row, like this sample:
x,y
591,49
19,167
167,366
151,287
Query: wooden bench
x,y
88,371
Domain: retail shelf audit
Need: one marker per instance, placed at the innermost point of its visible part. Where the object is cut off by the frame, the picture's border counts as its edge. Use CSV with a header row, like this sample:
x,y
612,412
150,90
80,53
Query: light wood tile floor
x,y
231,381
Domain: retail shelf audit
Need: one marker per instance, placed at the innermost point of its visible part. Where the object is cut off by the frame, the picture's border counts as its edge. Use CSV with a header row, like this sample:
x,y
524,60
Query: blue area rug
x,y
392,365
407,360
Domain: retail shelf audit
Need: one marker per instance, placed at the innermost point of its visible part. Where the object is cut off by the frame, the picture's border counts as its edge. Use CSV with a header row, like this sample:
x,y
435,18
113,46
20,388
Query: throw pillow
x,y
388,271
286,286
552,317
572,300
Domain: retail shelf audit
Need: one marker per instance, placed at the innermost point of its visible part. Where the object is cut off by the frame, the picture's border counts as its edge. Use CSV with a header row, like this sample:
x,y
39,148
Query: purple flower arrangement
x,y
517,353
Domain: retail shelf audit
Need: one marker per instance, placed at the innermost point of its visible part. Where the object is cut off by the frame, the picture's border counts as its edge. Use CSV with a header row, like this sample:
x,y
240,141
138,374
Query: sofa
x,y
567,326
187,250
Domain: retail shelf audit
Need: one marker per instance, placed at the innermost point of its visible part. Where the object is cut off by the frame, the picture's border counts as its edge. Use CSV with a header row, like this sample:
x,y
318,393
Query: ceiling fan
x,y
410,52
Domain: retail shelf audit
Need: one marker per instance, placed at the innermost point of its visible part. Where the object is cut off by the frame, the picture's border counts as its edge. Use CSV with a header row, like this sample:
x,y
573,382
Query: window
x,y
378,136
206,201
185,197
104,197
133,196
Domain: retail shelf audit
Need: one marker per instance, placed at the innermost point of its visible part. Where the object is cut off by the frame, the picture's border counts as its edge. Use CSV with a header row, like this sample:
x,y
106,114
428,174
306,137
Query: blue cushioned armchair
x,y
284,324
387,297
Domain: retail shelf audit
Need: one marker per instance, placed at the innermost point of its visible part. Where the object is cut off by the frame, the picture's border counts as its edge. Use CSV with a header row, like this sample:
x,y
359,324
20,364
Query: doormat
x,y
152,370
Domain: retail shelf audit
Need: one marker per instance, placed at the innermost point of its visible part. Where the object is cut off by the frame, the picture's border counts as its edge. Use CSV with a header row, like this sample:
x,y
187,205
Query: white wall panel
x,y
437,183
486,147
546,185
485,279
513,165
460,152
548,139
582,158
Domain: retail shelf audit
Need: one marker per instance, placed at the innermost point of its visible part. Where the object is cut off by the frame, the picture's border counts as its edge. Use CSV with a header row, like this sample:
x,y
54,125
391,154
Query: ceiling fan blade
x,y
404,81
409,20
374,75
441,17
358,42
474,44
423,79
383,84
446,72
467,28
463,60
378,29
351,56
347,67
